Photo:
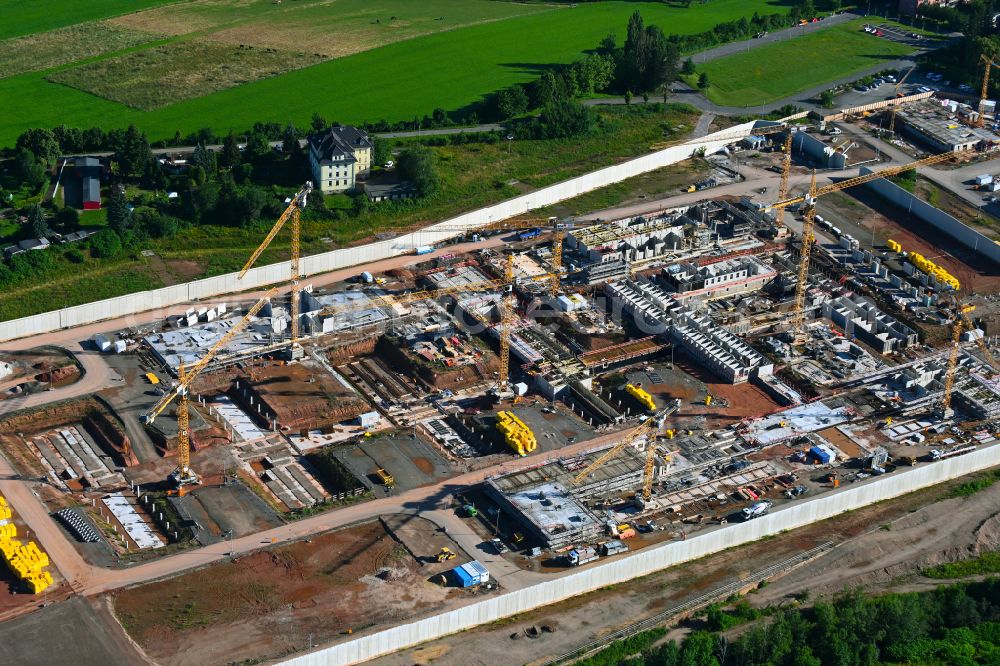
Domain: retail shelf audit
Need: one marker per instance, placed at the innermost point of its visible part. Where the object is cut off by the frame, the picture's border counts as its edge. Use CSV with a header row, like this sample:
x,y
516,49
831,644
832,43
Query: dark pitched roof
x,y
339,140
89,169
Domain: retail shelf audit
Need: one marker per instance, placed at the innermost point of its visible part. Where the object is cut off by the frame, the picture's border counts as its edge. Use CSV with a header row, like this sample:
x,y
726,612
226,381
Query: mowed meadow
x,y
246,61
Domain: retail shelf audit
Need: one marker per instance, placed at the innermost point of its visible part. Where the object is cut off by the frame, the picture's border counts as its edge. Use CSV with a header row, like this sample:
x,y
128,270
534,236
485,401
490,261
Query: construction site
x,y
566,389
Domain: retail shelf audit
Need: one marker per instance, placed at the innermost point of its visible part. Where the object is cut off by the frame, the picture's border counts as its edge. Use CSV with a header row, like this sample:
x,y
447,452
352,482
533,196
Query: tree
x,y
826,99
318,123
416,164
564,118
230,157
36,219
41,142
204,159
131,151
381,151
119,217
628,96
510,102
807,9
688,67
152,175
703,80
105,244
28,169
257,147
290,141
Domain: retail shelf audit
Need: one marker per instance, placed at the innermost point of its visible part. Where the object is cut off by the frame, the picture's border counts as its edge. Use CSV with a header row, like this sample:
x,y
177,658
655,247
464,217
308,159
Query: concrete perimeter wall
x,y
937,218
648,560
130,304
816,149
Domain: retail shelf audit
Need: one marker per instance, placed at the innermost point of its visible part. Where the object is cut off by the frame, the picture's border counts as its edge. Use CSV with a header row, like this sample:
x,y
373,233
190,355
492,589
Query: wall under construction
x,y
648,560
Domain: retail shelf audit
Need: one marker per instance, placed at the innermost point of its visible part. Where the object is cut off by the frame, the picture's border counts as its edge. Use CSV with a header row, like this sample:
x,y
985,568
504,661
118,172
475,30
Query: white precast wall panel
x,y
647,561
122,306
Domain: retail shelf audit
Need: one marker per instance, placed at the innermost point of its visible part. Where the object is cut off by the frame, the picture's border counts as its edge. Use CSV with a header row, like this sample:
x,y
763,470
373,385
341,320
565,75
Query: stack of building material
x,y
516,434
25,561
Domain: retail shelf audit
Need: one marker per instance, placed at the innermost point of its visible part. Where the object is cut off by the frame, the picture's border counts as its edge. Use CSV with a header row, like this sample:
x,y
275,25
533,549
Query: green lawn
x,y
449,69
773,72
25,17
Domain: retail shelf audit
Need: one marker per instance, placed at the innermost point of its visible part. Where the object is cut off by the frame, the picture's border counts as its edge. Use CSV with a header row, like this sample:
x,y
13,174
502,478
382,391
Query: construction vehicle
x,y
580,556
610,548
183,475
797,320
642,396
152,378
498,546
756,510
470,510
708,400
292,212
385,478
445,554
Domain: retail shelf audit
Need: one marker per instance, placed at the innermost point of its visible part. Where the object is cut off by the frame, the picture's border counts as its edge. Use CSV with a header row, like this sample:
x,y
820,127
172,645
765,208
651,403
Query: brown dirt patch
x,y
424,465
267,604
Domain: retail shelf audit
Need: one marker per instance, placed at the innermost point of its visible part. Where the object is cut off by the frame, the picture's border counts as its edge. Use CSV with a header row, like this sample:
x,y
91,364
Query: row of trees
x,y
958,624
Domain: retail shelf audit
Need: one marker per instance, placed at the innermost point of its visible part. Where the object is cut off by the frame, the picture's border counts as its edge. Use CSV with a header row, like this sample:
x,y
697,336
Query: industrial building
x,y
860,317
714,280
943,125
658,312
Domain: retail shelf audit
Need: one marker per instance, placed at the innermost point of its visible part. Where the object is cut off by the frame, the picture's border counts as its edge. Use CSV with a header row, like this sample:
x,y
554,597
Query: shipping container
x,y
423,249
471,574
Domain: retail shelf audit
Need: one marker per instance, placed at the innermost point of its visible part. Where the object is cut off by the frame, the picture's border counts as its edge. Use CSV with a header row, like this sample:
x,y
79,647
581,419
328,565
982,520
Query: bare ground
x,y
269,604
868,554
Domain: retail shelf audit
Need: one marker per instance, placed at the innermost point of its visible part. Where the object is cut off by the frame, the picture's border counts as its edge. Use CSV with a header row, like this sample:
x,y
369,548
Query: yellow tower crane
x,y
506,321
963,313
899,93
944,410
292,212
183,475
786,167
988,65
809,216
642,430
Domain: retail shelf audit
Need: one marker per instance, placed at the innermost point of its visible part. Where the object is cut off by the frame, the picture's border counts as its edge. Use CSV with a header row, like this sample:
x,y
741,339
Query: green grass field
x,y
25,17
450,69
773,72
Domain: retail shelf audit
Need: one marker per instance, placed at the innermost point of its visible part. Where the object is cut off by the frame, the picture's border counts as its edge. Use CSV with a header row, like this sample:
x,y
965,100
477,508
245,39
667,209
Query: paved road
x,y
772,37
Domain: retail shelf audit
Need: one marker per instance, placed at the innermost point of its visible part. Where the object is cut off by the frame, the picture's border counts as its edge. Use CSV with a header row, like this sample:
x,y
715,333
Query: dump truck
x,y
385,478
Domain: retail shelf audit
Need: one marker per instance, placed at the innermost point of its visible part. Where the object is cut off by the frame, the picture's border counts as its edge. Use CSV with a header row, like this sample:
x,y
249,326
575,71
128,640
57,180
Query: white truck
x,y
756,510
580,556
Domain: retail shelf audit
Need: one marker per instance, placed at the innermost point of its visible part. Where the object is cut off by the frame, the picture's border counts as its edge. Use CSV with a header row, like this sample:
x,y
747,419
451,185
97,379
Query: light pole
x,y
510,140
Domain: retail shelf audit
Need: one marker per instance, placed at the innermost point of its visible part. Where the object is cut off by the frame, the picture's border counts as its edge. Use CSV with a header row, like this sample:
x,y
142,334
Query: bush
x,y
105,244
74,256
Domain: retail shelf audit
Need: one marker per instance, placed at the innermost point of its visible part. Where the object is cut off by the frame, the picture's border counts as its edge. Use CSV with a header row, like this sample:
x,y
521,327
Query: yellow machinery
x,y
152,378
185,376
893,246
25,560
387,479
809,220
642,396
292,212
516,434
446,554
708,400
